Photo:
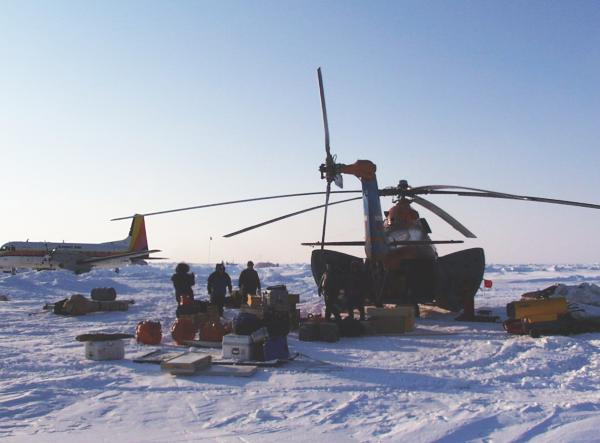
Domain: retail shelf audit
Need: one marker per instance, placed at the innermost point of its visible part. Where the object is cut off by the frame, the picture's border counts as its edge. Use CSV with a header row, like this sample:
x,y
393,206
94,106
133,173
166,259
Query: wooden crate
x,y
187,364
383,319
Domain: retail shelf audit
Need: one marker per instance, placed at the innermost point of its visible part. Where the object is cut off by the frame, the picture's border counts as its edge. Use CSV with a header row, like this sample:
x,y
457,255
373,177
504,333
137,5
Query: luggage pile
x,y
276,302
260,330
315,328
396,320
202,319
530,316
101,299
545,315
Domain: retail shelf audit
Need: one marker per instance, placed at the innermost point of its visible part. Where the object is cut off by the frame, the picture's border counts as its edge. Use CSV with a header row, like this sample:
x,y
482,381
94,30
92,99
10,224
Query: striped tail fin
x,y
137,234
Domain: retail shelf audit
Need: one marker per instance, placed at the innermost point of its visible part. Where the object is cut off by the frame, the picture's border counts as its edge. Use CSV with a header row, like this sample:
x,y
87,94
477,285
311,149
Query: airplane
x,y
402,263
78,257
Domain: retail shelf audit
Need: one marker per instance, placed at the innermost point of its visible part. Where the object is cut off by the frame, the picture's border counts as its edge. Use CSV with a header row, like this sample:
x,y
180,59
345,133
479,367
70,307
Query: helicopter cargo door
x,y
459,276
340,261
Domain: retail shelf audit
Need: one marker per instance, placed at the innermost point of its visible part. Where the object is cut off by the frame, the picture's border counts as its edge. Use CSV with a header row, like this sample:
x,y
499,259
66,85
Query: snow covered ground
x,y
447,381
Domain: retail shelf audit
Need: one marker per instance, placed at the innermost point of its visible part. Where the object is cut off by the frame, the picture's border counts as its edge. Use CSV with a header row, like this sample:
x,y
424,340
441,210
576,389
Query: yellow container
x,y
530,308
540,318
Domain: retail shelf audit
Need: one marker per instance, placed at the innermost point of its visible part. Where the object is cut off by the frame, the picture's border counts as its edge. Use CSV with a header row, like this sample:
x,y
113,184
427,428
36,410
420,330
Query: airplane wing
x,y
137,254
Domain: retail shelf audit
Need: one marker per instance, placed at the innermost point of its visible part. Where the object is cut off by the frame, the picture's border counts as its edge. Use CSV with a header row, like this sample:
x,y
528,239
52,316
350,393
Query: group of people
x,y
218,284
354,282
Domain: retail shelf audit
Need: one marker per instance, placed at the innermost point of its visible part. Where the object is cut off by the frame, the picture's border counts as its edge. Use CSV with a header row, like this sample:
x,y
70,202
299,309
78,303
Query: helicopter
x,y
402,265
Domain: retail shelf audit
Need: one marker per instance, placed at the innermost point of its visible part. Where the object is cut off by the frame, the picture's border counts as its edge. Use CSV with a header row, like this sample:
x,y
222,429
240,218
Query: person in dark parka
x,y
218,282
354,290
330,288
249,282
183,280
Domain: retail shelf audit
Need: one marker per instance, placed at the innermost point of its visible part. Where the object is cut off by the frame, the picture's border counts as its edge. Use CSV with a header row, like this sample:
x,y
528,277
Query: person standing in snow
x,y
329,287
183,280
249,282
218,282
354,290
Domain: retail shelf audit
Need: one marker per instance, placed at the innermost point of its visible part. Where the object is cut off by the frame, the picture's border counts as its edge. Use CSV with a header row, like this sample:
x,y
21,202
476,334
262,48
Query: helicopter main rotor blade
x,y
425,189
292,214
493,194
236,201
443,215
324,111
393,243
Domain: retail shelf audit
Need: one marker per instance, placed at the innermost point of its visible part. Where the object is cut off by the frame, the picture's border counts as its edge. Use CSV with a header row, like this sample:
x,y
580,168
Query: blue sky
x,y
110,108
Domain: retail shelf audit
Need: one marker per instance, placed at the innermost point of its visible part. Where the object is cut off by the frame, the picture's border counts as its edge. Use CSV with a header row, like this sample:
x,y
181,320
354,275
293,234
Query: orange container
x,y
183,330
148,332
212,331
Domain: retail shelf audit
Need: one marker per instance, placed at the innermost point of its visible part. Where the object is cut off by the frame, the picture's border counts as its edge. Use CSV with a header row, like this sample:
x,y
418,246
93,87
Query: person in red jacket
x,y
183,280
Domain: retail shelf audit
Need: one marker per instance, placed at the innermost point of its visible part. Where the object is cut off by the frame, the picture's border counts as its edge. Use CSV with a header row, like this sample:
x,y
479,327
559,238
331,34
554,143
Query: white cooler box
x,y
104,350
237,347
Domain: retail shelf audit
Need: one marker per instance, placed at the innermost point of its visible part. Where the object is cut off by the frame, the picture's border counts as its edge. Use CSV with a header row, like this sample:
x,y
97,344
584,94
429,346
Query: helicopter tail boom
x,y
375,244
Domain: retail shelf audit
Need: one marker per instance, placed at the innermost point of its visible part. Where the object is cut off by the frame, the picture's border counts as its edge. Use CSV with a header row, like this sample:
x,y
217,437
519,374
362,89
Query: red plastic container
x,y
183,330
148,332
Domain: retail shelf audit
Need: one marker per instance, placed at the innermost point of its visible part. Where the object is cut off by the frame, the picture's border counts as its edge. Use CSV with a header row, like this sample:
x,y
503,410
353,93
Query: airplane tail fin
x,y
137,234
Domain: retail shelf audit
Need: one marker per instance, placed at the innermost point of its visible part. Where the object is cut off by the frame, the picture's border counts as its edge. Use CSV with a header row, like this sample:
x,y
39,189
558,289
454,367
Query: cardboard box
x,y
389,325
406,313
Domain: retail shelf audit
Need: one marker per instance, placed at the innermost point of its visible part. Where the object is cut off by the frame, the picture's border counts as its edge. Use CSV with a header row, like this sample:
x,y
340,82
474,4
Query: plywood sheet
x,y
188,363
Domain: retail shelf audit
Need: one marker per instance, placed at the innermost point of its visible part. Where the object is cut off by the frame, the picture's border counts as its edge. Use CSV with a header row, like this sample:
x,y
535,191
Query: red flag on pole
x,y
487,283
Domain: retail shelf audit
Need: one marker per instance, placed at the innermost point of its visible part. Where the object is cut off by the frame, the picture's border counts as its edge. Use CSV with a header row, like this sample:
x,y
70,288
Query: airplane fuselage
x,y
78,257
39,255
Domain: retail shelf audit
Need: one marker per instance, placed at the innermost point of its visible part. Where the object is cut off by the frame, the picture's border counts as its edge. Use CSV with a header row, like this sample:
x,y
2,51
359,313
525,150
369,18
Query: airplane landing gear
x,y
13,271
117,270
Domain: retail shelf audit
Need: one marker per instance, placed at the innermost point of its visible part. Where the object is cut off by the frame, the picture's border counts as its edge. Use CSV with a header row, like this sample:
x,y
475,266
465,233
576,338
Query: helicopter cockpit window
x,y
397,235
4,248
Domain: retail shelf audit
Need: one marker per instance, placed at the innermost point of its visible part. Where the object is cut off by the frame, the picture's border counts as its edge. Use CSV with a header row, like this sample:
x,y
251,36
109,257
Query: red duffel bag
x,y
148,332
183,330
212,331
